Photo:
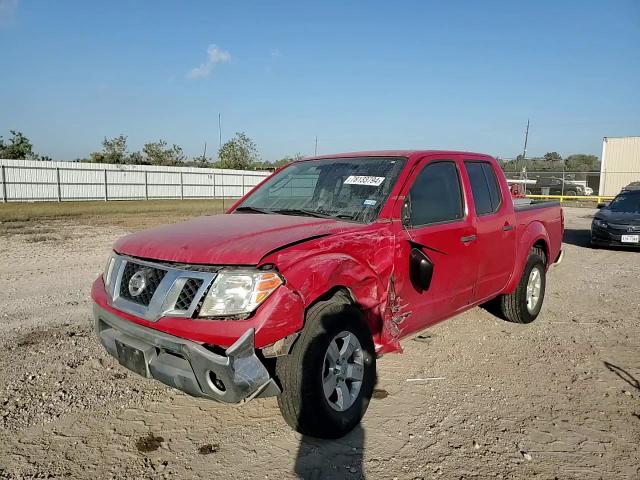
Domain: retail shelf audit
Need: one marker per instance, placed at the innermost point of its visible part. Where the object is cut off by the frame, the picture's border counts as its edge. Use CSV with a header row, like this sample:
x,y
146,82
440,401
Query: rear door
x,y
495,228
436,225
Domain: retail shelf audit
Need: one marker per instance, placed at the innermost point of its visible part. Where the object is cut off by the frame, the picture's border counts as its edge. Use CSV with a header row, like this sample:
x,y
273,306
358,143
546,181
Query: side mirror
x,y
405,215
420,270
602,205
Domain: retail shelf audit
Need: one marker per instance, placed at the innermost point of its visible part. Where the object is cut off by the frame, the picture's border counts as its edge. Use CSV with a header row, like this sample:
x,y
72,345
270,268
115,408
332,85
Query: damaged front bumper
x,y
234,377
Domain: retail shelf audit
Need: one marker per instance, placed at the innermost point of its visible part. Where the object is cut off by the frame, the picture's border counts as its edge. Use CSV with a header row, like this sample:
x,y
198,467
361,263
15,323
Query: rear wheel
x,y
524,304
328,378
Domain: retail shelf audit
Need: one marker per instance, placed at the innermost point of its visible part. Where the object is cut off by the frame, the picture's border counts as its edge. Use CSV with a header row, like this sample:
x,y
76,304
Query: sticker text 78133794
x,y
364,180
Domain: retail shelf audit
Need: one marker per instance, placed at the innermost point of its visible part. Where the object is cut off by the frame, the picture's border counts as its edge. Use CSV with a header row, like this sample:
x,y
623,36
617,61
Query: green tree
x,y
287,159
114,150
278,163
200,161
238,153
18,147
160,153
582,163
552,157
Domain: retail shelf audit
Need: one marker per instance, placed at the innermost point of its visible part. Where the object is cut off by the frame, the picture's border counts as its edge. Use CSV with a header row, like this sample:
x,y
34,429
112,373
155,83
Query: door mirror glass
x,y
420,270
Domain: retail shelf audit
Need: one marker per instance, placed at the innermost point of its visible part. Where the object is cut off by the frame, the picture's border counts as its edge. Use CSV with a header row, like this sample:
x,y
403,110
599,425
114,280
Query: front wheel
x,y
524,304
328,378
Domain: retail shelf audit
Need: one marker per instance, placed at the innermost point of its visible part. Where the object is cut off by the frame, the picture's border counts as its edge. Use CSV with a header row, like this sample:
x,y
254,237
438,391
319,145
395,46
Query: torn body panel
x,y
361,262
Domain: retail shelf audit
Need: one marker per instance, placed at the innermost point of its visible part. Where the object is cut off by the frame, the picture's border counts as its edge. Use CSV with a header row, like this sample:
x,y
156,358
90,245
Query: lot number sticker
x,y
364,180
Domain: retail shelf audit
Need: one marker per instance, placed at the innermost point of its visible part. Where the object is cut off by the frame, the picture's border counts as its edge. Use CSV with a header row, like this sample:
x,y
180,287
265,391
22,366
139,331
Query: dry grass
x,y
39,218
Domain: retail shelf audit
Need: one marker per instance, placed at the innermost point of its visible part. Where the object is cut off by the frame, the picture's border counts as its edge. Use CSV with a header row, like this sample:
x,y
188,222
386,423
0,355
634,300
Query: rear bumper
x,y
234,377
559,258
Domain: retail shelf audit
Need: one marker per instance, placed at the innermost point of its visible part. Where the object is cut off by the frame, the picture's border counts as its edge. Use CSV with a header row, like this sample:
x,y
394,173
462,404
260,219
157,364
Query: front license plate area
x,y
131,358
630,238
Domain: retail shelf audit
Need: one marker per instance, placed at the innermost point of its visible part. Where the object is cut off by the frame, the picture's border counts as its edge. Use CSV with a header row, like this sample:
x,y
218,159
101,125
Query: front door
x,y
436,226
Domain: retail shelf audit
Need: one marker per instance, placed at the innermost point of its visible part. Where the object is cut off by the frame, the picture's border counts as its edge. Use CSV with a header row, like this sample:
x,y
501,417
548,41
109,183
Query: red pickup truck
x,y
319,270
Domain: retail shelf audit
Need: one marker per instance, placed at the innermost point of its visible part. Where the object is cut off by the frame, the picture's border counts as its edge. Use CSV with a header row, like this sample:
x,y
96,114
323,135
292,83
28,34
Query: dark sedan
x,y
618,224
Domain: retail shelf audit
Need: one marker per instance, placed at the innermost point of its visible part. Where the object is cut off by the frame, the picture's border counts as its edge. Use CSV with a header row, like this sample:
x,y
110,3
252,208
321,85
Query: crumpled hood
x,y
232,239
623,218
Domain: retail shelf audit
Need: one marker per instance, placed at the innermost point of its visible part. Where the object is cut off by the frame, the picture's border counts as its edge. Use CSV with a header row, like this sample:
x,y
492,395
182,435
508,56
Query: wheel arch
x,y
544,246
534,236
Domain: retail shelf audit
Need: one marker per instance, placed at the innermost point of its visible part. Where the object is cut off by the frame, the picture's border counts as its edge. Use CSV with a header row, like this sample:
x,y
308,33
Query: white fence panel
x,y
81,184
28,180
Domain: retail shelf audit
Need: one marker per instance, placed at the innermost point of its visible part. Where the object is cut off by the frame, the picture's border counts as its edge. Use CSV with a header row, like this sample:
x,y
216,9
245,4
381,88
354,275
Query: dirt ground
x,y
474,397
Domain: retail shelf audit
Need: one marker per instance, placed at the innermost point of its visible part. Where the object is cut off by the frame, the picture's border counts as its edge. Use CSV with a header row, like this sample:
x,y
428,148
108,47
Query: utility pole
x,y
526,139
315,152
204,154
219,131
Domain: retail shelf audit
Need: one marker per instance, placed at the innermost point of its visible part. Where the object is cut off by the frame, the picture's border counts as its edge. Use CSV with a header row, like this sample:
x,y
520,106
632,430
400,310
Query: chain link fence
x,y
567,183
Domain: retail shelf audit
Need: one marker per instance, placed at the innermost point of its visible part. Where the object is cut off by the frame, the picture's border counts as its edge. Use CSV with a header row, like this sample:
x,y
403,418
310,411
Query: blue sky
x,y
359,75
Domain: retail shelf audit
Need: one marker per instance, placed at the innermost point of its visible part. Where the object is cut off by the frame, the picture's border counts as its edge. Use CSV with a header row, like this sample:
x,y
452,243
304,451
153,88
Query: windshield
x,y
626,202
346,188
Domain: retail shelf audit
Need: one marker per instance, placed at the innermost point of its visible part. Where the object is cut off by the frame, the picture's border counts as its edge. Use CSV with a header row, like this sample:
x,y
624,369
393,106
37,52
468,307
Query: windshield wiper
x,y
301,211
253,210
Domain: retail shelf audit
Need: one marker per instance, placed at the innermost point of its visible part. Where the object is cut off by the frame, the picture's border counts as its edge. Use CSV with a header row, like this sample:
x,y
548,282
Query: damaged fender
x,y
311,272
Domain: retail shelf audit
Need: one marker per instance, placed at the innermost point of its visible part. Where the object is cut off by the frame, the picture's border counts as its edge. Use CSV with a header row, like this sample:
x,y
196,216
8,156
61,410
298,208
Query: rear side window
x,y
485,188
436,195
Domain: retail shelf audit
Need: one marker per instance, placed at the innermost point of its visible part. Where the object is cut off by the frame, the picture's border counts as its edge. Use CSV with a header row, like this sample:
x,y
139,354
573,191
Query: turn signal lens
x,y
266,285
108,271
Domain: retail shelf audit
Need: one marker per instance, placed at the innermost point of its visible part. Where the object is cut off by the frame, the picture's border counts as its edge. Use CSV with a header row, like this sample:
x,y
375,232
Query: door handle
x,y
468,238
507,227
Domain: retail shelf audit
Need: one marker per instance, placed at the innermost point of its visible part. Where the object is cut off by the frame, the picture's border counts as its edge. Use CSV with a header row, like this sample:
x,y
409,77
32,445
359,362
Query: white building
x,y
620,163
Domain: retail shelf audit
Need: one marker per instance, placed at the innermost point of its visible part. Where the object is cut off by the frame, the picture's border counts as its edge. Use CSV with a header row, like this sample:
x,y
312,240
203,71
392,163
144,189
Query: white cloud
x,y
215,55
7,10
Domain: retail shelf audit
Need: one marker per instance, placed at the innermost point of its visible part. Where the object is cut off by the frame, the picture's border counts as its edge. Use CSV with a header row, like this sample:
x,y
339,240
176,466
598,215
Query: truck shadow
x,y
324,459
577,237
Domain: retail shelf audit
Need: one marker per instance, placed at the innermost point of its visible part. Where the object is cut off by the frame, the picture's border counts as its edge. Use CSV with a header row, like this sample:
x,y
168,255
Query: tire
x,y
306,371
571,193
514,307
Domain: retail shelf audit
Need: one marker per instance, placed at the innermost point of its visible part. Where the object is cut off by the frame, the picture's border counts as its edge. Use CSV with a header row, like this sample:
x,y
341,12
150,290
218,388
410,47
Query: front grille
x,y
188,293
625,228
152,278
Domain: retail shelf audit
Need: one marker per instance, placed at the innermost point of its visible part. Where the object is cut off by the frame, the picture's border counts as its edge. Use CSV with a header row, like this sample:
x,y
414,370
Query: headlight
x,y
108,270
600,223
238,292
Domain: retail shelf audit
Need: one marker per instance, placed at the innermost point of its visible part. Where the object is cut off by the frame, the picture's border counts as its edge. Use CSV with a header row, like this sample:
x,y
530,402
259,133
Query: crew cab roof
x,y
396,153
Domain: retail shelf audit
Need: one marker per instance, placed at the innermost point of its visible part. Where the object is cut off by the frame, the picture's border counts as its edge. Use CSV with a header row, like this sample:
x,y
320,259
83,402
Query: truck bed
x,y
526,204
549,214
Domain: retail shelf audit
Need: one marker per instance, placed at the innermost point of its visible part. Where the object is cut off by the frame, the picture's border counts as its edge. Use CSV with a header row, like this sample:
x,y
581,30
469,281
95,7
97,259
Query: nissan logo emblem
x,y
137,283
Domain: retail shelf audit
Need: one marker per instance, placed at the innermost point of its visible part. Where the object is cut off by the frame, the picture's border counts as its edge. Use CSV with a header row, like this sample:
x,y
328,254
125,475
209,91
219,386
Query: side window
x,y
494,187
436,195
484,185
